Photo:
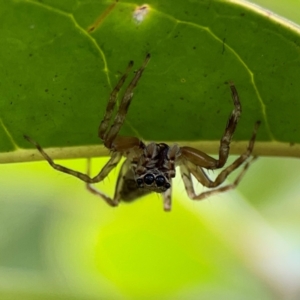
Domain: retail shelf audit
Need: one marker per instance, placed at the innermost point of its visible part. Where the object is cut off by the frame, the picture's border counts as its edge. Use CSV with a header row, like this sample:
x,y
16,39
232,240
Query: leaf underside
x,y
61,59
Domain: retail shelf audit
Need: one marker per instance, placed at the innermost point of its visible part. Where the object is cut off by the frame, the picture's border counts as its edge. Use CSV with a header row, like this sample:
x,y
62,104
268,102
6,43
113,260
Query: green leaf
x,y
61,59
60,242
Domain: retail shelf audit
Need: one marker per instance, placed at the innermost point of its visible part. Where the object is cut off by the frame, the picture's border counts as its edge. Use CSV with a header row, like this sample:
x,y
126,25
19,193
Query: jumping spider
x,y
150,168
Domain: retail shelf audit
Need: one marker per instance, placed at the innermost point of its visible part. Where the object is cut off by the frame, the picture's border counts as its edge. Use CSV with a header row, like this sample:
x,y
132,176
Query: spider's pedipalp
x,y
167,198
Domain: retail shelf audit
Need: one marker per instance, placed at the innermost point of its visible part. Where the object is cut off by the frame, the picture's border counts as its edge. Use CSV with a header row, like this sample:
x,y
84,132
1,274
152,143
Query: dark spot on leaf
x,y
242,14
46,90
91,29
292,144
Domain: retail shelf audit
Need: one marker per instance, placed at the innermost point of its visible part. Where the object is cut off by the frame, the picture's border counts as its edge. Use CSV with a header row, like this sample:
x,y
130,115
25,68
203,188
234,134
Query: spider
x,y
151,167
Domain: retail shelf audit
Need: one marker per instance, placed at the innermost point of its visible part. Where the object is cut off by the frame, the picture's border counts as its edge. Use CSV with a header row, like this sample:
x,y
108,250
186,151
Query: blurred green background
x,y
57,241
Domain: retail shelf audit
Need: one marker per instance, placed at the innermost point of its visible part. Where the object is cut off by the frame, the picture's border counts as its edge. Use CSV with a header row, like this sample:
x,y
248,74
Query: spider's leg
x,y
111,103
126,187
167,198
124,105
95,191
189,167
239,161
125,144
186,176
205,161
229,186
186,169
187,180
230,128
113,161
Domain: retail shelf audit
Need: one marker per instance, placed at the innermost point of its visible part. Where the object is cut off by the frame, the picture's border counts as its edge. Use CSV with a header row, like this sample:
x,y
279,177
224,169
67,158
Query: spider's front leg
x,y
202,159
194,161
118,145
109,136
188,167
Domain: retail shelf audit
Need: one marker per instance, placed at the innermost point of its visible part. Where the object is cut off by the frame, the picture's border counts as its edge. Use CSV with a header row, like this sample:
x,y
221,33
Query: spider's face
x,y
154,181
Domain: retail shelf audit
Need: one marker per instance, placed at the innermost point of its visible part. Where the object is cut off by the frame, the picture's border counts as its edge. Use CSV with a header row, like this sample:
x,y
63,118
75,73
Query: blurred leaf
x,y
86,248
56,76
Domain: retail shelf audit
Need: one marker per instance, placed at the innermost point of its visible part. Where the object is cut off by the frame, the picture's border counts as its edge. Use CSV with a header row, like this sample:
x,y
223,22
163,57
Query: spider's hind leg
x,y
93,190
111,164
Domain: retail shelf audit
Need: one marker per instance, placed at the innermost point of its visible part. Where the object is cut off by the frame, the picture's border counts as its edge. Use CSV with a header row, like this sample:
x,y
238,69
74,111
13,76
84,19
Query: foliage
x,y
63,58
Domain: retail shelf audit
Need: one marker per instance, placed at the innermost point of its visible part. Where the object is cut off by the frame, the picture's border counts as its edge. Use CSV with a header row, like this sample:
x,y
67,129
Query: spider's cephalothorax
x,y
156,166
150,168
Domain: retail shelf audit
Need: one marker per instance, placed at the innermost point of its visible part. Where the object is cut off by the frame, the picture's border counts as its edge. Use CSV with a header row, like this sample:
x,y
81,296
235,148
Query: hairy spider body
x,y
156,167
150,168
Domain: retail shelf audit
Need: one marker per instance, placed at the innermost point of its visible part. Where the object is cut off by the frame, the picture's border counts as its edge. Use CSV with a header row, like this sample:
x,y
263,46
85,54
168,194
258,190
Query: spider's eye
x,y
139,181
149,179
167,185
160,180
